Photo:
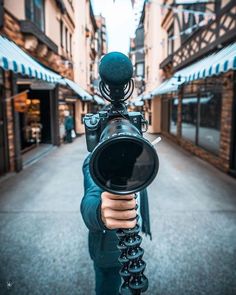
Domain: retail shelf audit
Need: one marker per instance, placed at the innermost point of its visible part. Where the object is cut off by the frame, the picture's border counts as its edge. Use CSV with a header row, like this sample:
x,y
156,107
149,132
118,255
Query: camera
x,y
122,160
96,123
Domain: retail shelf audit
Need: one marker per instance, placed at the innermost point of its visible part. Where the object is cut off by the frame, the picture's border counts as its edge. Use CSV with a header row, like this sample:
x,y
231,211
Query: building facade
x,y
198,79
148,56
39,77
91,44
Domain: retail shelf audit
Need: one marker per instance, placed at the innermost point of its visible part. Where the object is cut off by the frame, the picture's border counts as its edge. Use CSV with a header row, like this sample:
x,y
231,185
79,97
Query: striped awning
x,y
212,65
13,58
84,95
144,96
98,100
169,85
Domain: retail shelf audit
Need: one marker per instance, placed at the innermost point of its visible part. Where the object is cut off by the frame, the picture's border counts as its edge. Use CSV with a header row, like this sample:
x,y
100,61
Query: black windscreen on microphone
x,y
115,69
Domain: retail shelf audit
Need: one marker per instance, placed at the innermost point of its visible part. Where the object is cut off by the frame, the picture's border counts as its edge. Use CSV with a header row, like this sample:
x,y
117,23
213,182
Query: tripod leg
x,y
133,266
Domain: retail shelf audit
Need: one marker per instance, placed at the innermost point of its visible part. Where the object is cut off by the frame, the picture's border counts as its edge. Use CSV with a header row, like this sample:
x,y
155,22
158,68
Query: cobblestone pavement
x,y
43,240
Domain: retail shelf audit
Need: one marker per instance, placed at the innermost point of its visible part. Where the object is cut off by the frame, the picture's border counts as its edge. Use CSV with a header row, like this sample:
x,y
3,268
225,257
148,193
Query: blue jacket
x,y
102,241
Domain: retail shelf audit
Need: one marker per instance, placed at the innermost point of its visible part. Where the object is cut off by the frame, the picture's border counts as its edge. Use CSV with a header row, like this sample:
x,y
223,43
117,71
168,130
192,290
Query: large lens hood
x,y
124,163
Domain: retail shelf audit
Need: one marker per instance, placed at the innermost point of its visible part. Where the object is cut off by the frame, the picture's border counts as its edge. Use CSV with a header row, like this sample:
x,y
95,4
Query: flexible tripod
x,y
134,281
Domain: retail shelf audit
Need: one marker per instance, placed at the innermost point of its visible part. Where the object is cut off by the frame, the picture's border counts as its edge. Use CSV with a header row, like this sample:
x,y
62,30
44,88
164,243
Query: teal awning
x,y
99,100
169,85
212,65
84,95
13,58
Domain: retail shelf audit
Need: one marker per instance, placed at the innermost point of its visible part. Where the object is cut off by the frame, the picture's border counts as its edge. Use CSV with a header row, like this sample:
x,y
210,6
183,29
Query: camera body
x,y
96,123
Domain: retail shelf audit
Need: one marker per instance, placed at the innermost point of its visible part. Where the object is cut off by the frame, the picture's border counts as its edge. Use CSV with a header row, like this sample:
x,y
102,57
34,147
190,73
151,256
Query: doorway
x,y
35,123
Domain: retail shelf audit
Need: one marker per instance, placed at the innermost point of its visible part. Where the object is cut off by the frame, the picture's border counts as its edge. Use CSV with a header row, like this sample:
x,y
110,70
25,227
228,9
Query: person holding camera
x,y
103,213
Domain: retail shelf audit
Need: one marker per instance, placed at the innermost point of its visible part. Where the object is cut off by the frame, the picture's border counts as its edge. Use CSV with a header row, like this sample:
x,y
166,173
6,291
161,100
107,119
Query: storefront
x,y
3,131
31,96
31,106
198,108
36,122
199,117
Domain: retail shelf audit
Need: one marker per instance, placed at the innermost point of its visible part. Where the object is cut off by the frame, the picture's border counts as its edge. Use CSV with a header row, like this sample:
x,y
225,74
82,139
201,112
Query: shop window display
x,y
201,118
33,126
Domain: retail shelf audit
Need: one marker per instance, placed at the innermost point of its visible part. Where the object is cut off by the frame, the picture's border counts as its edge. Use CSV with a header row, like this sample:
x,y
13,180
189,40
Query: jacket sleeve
x,y
91,202
144,210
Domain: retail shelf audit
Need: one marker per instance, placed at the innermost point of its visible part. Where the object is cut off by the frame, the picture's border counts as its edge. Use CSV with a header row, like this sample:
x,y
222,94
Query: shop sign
x,y
20,102
42,85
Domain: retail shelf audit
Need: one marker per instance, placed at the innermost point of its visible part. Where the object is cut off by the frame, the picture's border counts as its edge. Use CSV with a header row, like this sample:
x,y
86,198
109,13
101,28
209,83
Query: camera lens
x,y
124,165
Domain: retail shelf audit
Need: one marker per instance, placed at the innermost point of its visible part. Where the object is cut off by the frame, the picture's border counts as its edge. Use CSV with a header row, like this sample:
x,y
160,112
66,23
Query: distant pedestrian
x,y
69,126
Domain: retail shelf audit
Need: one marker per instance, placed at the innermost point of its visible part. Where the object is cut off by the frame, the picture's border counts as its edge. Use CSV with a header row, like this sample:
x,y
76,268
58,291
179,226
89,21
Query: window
x,y
189,20
173,115
71,44
201,120
209,125
34,10
66,37
61,33
139,69
170,40
189,118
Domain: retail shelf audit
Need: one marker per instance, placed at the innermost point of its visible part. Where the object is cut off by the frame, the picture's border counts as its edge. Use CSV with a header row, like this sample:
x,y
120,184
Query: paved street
x,y
43,241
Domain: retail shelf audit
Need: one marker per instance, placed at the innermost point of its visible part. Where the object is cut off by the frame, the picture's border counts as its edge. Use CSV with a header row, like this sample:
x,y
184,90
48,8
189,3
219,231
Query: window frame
x,y
70,44
170,42
199,95
62,33
30,7
66,39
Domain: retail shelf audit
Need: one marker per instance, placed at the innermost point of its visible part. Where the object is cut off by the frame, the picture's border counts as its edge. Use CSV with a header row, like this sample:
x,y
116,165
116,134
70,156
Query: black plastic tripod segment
x,y
133,266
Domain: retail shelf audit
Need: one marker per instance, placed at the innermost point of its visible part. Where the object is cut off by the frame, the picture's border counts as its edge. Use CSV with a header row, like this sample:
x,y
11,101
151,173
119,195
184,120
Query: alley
x,y
43,240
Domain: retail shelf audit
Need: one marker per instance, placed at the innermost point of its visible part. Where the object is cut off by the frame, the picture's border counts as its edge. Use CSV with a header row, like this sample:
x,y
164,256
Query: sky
x,y
121,21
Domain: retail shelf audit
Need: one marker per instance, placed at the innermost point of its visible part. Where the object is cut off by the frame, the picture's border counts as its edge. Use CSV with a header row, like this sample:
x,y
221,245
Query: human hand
x,y
118,211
